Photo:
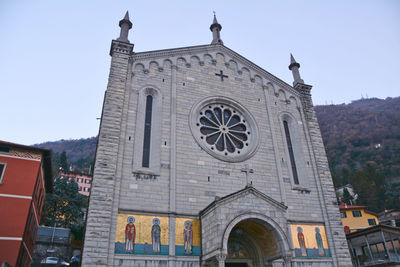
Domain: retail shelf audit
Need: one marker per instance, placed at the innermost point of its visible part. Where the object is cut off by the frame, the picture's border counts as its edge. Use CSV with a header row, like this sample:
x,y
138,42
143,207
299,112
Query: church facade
x,y
206,159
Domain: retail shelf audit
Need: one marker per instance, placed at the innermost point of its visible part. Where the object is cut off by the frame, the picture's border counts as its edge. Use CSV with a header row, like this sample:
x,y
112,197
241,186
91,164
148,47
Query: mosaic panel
x,y
142,234
310,241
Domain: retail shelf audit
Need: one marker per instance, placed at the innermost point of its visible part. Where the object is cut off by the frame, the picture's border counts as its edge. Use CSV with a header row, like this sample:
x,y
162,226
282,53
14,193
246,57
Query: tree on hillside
x,y
370,186
347,197
63,207
64,161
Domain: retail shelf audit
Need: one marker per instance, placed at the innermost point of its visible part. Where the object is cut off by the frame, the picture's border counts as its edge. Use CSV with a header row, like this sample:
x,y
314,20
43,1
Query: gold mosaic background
x,y
309,235
143,225
180,225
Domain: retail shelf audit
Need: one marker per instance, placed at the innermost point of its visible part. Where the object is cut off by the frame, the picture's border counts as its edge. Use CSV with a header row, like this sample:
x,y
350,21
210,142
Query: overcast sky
x,y
54,59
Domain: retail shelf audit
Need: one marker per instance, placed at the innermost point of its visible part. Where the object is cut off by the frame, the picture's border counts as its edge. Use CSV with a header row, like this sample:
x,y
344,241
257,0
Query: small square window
x,y
87,181
371,221
343,214
86,189
357,213
80,188
2,171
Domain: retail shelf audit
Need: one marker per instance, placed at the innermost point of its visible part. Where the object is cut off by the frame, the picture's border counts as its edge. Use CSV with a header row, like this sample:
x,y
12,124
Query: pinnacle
x,y
126,15
292,60
215,19
126,20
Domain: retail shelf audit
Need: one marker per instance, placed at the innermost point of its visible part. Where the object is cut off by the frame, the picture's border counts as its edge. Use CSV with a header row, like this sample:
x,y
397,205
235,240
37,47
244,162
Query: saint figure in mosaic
x,y
188,237
302,242
130,234
156,235
320,244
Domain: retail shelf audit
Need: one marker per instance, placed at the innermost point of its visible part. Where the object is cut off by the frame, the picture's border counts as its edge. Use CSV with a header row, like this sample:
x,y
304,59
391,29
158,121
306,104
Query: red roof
x,y
345,206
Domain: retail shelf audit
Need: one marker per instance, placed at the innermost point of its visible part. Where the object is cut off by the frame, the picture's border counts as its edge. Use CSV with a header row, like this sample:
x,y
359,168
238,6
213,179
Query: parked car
x,y
50,260
53,261
75,260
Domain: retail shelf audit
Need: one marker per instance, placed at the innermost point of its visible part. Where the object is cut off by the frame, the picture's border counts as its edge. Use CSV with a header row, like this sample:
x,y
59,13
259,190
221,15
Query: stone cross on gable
x,y
247,170
221,74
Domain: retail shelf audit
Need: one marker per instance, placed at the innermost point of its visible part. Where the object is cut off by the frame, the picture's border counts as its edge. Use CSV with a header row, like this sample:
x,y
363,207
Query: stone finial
x,y
294,67
216,28
125,25
293,62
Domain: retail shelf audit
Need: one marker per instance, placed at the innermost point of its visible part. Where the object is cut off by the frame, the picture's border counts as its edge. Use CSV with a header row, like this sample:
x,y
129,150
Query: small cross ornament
x,y
247,170
221,74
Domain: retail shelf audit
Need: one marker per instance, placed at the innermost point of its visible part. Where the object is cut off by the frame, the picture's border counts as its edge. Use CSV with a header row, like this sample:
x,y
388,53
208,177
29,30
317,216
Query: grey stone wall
x,y
188,178
100,211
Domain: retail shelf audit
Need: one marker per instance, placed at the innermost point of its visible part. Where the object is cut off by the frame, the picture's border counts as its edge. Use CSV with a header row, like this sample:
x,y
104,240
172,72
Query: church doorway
x,y
252,244
236,264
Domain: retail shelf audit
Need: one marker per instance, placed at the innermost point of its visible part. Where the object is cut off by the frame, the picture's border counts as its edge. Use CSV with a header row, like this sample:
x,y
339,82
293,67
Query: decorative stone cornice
x,y
120,47
205,49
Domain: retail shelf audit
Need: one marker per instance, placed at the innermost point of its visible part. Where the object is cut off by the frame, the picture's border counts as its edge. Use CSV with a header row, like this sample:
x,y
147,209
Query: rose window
x,y
224,129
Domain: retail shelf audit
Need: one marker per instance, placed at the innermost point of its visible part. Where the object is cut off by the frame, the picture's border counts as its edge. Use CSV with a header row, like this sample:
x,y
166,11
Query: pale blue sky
x,y
54,60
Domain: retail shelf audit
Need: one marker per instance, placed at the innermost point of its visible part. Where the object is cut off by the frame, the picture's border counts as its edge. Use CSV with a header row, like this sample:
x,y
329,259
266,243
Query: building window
x,y
224,129
147,132
371,221
40,201
80,188
2,171
343,214
147,141
291,154
356,213
87,181
4,149
80,180
86,189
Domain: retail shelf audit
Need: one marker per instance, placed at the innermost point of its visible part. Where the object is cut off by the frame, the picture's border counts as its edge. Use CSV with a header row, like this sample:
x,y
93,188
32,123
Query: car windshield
x,y
52,258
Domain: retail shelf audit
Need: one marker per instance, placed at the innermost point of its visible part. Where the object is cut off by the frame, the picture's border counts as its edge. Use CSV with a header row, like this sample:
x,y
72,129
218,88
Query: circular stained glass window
x,y
224,128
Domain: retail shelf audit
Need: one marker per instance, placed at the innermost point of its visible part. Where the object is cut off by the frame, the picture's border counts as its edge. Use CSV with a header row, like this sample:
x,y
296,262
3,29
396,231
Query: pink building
x,y
84,181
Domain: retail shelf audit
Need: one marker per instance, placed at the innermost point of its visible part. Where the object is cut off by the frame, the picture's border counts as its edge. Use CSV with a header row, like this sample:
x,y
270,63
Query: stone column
x,y
221,259
100,211
287,261
172,170
275,145
326,192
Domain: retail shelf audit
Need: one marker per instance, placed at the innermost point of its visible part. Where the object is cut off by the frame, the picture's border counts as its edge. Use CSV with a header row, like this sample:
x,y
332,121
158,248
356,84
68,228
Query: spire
x,y
125,25
216,28
294,67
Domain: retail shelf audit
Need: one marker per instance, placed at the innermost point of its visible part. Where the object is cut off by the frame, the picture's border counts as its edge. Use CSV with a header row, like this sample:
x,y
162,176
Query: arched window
x,y
147,132
291,154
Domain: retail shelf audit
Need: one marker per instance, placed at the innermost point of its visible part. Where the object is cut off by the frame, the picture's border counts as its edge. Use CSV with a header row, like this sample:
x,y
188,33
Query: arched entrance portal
x,y
252,244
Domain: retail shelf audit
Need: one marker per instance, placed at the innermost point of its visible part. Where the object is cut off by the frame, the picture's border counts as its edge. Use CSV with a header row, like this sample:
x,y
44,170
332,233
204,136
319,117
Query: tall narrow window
x,y
291,154
147,132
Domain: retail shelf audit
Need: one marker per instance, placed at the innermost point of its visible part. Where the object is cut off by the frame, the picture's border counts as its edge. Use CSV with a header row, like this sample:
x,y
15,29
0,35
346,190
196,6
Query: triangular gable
x,y
241,193
186,53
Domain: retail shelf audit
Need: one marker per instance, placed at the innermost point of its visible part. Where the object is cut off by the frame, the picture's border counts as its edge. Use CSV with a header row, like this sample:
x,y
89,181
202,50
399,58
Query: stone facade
x,y
183,180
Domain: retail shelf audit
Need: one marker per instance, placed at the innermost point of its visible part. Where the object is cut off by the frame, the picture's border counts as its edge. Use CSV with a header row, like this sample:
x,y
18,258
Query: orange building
x,y
355,218
25,177
84,181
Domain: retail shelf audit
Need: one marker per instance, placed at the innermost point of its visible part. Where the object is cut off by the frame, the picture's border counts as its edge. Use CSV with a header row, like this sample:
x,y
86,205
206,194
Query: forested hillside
x,y
79,154
362,140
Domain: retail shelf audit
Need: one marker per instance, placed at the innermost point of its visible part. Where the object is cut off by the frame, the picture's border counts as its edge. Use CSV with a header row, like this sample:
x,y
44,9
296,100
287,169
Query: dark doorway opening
x,y
236,264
